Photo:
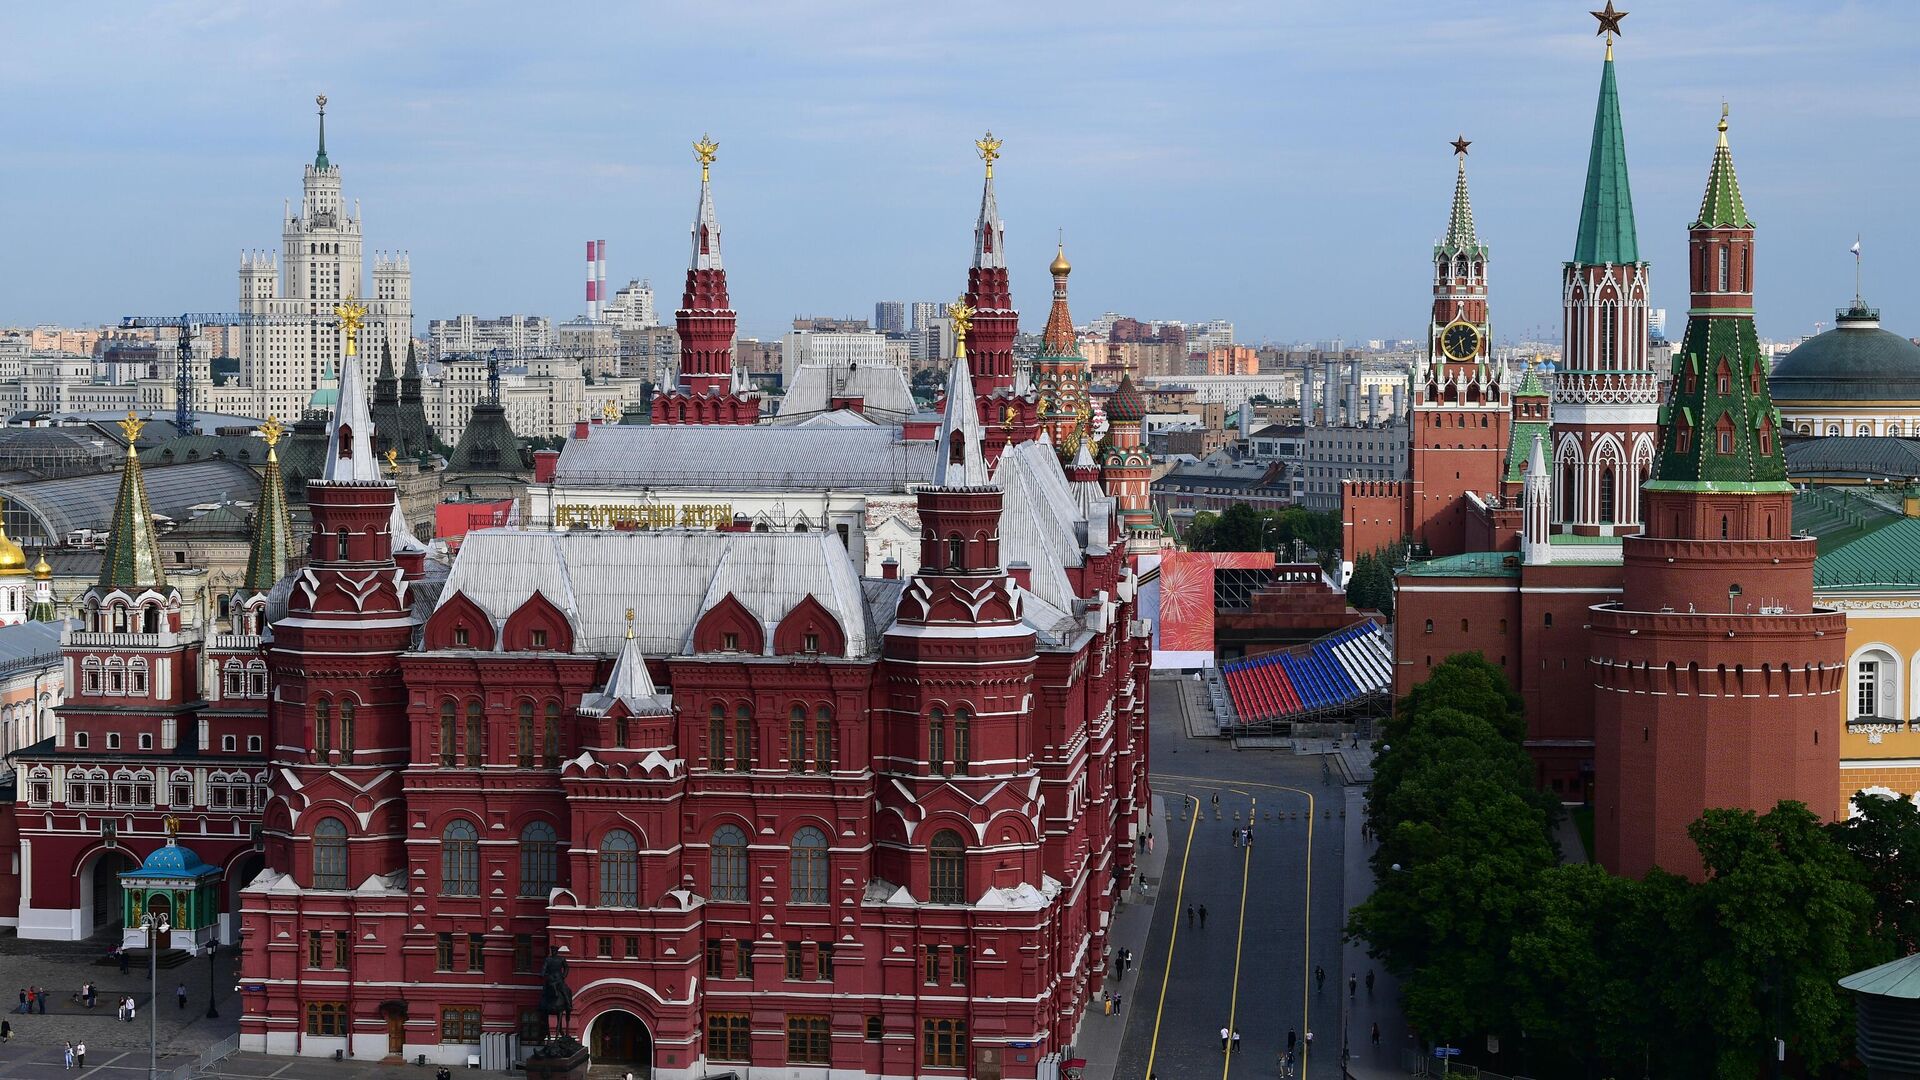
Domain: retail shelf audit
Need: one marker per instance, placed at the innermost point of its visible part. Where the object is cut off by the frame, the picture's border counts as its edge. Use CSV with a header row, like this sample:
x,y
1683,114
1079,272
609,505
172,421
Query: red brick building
x,y
773,815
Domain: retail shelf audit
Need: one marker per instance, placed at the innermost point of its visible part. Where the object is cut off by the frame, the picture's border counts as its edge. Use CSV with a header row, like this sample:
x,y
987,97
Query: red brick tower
x,y
1714,674
989,344
1605,398
1126,468
1061,376
710,390
1458,431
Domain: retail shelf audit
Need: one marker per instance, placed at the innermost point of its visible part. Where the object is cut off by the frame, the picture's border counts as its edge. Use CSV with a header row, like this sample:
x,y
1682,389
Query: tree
x,y
1883,836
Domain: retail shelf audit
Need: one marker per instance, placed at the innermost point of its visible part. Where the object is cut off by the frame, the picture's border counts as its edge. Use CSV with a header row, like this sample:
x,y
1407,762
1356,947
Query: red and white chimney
x,y
593,285
600,278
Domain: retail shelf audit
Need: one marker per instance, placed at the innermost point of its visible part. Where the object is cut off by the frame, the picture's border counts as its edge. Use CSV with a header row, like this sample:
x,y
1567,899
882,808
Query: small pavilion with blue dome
x,y
174,882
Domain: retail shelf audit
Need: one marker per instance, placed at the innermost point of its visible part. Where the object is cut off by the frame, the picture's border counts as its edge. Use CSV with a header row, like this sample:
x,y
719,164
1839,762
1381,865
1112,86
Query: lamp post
x,y
154,925
212,983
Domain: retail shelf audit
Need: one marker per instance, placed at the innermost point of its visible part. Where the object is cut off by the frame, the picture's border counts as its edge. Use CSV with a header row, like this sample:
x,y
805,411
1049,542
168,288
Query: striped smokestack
x,y
593,288
600,265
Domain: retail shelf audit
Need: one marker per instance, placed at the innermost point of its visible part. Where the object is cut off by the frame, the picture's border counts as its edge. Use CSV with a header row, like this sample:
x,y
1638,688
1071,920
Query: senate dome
x,y
1855,379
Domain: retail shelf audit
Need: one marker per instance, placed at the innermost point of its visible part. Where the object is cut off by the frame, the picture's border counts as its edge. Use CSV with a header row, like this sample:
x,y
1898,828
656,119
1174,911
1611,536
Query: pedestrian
x,y
1353,986
133,1011
1249,836
1236,1040
1376,1034
1216,802
1292,1038
68,1056
1203,916
123,961
6,1030
1369,982
80,1055
1224,1036
181,993
1309,1048
41,992
1319,979
1117,999
120,1014
23,993
1236,836
23,990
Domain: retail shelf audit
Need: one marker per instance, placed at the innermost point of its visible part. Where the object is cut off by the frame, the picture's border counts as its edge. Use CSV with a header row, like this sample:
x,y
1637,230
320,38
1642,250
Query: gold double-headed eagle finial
x,y
393,461
609,410
272,430
172,823
351,314
989,148
132,425
962,317
706,150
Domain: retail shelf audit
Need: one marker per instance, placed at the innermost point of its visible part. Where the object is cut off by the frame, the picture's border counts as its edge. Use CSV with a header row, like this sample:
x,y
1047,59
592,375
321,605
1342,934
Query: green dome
x,y
1854,361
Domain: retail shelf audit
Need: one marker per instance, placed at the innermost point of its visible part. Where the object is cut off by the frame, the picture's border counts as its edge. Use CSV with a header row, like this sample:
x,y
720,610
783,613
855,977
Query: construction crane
x,y
188,326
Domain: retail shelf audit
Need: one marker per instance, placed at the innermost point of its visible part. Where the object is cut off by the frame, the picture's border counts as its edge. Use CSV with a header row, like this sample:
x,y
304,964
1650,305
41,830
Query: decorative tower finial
x,y
320,159
1723,122
351,314
989,148
271,431
706,150
132,557
962,317
1460,145
1609,24
132,426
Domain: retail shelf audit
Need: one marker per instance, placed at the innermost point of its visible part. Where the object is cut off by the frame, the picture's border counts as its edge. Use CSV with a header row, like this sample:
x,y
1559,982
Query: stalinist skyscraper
x,y
320,265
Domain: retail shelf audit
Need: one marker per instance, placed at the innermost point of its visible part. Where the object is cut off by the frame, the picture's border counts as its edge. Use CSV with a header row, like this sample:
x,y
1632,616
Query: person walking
x,y
67,1056
1292,1039
80,1055
1249,836
1369,982
1319,979
6,1030
123,961
180,992
1216,802
41,993
1203,916
23,993
1376,1034
133,1011
1353,986
1224,1036
1236,836
1236,1040
23,1008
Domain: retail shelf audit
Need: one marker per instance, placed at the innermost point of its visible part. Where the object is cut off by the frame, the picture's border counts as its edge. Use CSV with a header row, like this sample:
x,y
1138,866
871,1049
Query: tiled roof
x,y
1522,445
1606,213
755,458
1853,457
1470,564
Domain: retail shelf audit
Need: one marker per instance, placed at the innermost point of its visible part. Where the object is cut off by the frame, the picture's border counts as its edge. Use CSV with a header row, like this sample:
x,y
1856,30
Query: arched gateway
x,y
621,1040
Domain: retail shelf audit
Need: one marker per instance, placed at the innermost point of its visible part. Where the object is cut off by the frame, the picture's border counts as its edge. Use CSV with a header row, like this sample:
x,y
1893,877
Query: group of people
x,y
76,1055
127,1011
1243,836
32,999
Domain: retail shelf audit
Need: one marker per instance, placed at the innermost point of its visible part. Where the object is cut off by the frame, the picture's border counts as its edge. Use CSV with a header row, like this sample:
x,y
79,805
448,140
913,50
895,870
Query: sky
x,y
1282,165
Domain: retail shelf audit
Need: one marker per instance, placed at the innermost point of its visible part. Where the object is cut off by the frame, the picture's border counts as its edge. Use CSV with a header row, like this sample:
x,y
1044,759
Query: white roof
x,y
882,389
704,457
670,578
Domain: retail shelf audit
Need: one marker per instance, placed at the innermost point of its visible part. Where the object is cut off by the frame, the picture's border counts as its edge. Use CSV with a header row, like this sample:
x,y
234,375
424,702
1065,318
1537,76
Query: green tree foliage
x,y
1242,528
1883,835
1372,585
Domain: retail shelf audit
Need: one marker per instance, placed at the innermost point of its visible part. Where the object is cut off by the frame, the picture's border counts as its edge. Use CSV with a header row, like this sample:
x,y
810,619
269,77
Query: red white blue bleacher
x,y
1334,672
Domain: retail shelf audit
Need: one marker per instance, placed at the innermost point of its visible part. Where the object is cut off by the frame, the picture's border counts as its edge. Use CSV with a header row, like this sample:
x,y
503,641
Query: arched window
x,y
539,859
937,740
619,870
1723,269
797,738
460,859
717,737
743,739
346,441
476,735
552,735
957,448
524,743
90,674
346,727
956,552
728,871
329,854
340,545
116,676
1876,686
449,734
947,869
137,675
823,740
323,729
962,738
1606,493
257,679
807,867
1723,379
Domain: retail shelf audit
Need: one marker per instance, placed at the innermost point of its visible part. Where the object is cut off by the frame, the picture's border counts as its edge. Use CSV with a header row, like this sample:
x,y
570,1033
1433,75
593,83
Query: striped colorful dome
x,y
1126,403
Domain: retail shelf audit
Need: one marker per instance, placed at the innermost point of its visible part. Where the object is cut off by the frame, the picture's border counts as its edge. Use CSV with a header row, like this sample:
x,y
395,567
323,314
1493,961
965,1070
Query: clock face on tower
x,y
1460,341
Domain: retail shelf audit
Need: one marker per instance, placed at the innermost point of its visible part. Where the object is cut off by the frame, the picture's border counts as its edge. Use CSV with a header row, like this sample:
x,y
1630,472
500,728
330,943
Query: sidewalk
x,y
1100,1036
1383,1005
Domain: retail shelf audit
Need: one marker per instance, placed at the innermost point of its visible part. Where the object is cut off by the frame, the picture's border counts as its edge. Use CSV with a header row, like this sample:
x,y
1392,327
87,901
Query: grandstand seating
x,y
1332,673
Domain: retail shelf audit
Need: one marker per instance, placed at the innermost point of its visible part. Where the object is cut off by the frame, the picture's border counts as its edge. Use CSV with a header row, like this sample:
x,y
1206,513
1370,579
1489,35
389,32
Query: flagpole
x,y
1856,269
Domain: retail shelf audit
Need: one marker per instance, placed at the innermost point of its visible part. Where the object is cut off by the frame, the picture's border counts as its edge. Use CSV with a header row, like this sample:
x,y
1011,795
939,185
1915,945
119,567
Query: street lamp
x,y
154,925
212,1013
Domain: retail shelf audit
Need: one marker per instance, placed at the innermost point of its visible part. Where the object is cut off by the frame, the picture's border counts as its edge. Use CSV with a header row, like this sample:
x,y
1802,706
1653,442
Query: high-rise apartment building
x,y
926,312
321,265
890,317
472,334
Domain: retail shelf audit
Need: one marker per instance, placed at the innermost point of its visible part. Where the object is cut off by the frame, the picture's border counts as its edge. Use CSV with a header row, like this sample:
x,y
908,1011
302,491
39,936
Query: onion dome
x,y
1126,405
1854,361
42,570
13,557
1060,266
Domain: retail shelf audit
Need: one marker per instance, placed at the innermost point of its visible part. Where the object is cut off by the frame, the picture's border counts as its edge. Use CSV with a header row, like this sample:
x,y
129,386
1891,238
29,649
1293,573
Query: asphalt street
x,y
1251,966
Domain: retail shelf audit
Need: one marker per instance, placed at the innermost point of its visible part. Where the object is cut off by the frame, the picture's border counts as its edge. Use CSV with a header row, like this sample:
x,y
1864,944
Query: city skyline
x,y
1169,150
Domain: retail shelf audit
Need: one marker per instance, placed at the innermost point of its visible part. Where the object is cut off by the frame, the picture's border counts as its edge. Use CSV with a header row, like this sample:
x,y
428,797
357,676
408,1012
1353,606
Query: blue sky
x,y
1284,165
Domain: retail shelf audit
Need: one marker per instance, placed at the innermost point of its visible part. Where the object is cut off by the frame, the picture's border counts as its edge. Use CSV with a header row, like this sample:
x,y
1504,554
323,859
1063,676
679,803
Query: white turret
x,y
961,462
1536,547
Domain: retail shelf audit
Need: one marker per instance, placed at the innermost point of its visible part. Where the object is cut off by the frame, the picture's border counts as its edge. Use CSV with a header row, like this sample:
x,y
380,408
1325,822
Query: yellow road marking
x,y
1179,895
1239,934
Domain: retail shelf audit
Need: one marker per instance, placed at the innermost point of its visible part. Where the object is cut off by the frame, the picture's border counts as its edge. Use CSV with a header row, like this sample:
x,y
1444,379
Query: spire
x,y
386,387
133,550
320,160
629,681
1460,234
412,373
272,524
1606,213
706,226
1058,340
1722,207
989,233
1536,495
350,437
960,462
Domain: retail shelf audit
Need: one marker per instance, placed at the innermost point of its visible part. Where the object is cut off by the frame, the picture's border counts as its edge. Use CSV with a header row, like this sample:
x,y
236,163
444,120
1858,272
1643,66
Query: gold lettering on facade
x,y
642,515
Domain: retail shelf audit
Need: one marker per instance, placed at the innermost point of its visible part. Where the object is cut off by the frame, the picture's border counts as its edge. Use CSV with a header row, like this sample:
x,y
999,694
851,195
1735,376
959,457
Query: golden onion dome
x,y
1061,266
42,570
13,557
